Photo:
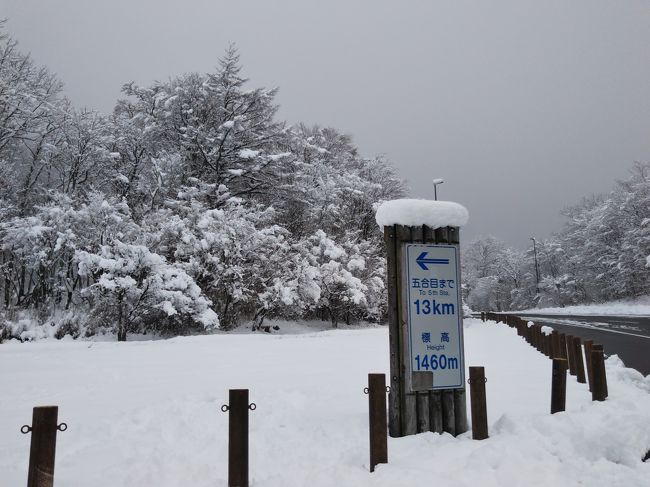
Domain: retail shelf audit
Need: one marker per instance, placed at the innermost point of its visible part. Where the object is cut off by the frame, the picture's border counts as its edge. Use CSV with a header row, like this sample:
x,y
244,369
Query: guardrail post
x,y
555,344
570,352
599,389
477,382
590,377
237,408
548,349
378,420
558,385
42,451
563,353
580,365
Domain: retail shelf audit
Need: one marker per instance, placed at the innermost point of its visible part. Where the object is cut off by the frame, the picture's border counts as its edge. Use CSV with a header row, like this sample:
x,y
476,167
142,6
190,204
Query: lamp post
x,y
536,266
436,182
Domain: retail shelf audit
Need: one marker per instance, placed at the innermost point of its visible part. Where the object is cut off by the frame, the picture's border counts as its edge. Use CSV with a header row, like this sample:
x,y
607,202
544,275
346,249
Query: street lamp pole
x,y
436,182
536,266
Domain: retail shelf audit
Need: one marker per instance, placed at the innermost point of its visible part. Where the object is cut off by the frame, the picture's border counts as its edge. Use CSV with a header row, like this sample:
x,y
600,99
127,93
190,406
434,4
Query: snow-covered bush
x,y
137,290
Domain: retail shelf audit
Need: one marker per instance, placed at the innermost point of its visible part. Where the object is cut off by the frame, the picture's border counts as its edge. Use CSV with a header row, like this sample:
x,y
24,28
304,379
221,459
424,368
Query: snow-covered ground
x,y
636,307
147,414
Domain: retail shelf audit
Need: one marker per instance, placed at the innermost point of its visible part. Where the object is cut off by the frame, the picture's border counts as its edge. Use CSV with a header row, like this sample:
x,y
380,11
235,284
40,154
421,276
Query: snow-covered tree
x,y
190,203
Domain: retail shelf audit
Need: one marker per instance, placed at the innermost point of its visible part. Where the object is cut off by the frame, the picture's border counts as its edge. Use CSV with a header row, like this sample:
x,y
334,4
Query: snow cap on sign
x,y
413,212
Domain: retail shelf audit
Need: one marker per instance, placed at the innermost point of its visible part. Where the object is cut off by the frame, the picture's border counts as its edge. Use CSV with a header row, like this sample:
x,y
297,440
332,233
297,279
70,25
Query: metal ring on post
x,y
252,406
24,429
225,408
366,390
62,427
387,388
470,381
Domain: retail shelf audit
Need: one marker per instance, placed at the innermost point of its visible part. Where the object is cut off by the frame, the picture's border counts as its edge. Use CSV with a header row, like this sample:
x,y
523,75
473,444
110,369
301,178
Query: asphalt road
x,y
626,336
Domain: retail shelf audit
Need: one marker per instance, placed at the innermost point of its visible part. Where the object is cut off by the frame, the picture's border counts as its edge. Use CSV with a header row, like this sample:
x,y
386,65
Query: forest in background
x,y
602,254
188,208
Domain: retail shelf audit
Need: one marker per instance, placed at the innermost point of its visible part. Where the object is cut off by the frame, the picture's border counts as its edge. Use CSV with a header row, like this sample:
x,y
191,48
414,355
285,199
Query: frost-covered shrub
x,y
137,290
68,327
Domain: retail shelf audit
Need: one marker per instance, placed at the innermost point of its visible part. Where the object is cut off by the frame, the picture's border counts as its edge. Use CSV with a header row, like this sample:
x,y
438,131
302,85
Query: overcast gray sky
x,y
522,106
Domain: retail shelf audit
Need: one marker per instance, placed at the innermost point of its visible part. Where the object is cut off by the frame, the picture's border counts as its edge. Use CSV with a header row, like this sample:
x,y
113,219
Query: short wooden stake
x,y
599,389
588,344
558,385
238,437
378,420
479,403
42,450
580,365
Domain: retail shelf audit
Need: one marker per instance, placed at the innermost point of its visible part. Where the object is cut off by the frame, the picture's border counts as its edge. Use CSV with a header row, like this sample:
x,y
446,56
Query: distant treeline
x,y
600,255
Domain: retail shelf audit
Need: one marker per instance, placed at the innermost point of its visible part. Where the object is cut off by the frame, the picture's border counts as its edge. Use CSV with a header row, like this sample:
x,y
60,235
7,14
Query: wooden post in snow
x,y
42,450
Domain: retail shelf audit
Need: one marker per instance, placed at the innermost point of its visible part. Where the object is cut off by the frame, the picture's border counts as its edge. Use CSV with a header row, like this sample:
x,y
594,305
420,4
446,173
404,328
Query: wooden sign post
x,y
427,383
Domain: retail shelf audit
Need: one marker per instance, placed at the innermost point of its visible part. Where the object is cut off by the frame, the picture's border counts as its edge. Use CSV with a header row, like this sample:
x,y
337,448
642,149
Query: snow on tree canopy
x,y
412,212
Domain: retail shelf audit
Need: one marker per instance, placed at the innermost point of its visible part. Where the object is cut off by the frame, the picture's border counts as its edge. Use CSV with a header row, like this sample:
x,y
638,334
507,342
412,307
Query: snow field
x,y
147,414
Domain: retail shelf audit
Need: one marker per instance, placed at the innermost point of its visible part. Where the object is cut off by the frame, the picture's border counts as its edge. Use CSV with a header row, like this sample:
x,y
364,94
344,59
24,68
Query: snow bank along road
x,y
626,336
146,414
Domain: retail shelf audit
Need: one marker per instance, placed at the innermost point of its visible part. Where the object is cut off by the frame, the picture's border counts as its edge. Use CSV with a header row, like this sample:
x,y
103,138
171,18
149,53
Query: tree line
x,y
189,207
601,254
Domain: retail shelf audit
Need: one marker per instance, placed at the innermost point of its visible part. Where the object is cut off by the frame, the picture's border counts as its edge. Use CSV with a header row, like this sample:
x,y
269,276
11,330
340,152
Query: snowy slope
x,y
147,414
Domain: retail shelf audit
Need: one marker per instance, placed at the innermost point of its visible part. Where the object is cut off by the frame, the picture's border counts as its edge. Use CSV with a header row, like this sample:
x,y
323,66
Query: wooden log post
x,y
580,366
448,412
599,389
558,385
238,408
423,409
587,345
479,403
42,451
395,331
378,424
435,412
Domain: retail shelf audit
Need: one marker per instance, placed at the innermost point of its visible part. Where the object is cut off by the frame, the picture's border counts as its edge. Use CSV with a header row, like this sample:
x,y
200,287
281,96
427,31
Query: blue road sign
x,y
434,317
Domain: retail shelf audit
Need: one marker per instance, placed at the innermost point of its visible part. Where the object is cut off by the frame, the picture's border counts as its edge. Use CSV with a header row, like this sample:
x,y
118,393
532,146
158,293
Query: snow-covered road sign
x,y
433,307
